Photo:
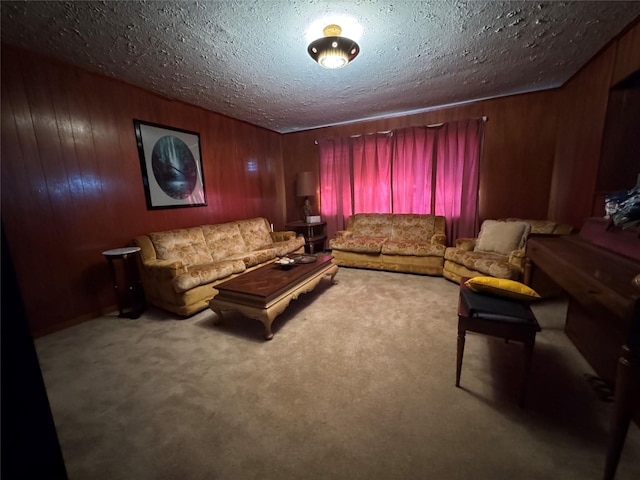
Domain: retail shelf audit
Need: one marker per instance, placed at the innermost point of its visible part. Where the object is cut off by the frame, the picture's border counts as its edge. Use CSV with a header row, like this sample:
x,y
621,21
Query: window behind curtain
x,y
336,187
458,166
371,173
411,170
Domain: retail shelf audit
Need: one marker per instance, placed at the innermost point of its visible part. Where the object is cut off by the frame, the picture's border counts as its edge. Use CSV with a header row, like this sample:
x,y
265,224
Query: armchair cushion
x,y
502,287
483,263
502,237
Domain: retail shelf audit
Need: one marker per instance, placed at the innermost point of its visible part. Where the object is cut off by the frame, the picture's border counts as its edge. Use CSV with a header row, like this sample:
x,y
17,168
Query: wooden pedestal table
x,y
264,293
127,286
314,233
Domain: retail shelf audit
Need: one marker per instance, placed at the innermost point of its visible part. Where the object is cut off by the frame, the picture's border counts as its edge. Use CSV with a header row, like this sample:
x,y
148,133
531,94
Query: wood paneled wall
x,y
72,183
581,124
72,186
517,159
580,127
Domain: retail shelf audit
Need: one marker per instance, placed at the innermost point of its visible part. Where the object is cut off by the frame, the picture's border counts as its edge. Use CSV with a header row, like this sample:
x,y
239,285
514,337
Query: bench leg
x,y
528,354
627,394
460,354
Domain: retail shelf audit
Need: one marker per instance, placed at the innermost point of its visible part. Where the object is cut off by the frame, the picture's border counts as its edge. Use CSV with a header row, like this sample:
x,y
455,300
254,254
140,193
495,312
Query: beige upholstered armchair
x,y
499,249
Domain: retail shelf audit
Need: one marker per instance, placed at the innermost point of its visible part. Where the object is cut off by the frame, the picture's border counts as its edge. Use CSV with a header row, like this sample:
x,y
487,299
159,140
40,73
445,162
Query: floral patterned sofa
x,y
499,249
409,243
179,268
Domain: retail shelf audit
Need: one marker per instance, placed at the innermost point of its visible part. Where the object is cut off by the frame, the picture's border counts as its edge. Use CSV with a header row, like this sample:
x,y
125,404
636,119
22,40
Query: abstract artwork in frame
x,y
171,163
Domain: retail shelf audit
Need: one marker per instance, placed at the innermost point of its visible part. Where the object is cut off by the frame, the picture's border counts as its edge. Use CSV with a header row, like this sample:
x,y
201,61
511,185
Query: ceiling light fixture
x,y
332,50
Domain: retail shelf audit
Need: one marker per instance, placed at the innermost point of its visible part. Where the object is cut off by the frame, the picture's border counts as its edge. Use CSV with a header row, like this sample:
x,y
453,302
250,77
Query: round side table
x,y
126,282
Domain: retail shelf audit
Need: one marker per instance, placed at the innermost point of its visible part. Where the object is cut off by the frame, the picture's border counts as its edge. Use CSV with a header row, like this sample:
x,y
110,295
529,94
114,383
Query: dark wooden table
x,y
314,233
264,293
603,318
126,281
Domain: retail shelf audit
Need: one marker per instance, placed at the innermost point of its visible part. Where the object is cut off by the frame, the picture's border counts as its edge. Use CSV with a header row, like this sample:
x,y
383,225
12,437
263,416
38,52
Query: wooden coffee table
x,y
264,293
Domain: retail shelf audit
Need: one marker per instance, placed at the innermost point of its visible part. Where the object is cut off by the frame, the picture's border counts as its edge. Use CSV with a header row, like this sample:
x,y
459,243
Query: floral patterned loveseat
x,y
409,243
179,268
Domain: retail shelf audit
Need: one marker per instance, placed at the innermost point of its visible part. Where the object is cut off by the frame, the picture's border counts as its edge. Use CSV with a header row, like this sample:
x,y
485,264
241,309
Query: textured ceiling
x,y
248,59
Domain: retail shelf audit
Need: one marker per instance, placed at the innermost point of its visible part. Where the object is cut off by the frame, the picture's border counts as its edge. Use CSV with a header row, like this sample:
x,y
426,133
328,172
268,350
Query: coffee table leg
x,y
267,319
219,316
268,334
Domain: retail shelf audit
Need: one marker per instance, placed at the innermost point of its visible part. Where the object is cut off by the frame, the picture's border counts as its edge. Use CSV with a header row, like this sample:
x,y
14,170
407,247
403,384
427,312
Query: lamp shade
x,y
305,184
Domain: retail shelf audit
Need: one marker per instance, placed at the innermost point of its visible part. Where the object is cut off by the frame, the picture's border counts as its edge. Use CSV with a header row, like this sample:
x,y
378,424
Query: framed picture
x,y
171,163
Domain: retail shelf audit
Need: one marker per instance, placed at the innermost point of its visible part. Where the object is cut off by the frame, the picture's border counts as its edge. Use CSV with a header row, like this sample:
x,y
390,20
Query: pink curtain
x,y
336,195
371,173
354,178
457,174
412,170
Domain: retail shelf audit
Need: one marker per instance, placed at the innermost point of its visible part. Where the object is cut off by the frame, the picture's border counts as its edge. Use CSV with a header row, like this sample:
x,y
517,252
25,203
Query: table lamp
x,y
305,187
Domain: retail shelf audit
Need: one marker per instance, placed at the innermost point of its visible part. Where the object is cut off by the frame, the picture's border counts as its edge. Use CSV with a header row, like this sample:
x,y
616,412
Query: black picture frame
x,y
171,164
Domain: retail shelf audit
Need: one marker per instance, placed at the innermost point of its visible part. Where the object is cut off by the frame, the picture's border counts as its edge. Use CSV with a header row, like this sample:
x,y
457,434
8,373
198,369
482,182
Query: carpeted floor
x,y
357,383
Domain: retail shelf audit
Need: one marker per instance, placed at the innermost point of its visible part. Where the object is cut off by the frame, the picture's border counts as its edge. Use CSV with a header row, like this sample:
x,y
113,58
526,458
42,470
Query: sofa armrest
x,y
439,239
157,280
147,250
466,244
164,268
344,233
517,259
283,236
563,229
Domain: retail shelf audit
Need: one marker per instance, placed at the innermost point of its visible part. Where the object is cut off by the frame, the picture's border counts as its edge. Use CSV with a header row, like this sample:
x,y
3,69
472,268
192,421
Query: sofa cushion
x,y
206,273
371,225
255,233
412,228
358,244
287,246
186,245
417,249
502,237
223,240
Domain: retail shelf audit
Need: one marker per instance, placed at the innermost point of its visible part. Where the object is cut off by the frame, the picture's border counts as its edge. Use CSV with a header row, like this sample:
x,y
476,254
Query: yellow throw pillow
x,y
502,287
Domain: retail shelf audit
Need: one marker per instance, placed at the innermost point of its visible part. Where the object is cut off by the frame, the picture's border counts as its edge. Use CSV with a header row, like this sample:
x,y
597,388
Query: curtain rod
x,y
483,118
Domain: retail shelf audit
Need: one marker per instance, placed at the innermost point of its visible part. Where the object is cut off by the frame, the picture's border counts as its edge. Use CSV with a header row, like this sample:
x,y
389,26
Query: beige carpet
x,y
358,383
